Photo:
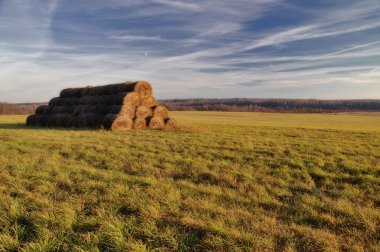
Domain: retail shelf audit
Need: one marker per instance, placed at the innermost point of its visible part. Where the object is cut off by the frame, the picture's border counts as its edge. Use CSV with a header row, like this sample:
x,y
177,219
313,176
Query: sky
x,y
319,49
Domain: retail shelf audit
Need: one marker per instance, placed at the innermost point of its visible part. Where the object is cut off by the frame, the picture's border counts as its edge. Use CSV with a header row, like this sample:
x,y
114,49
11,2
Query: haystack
x,y
156,122
121,106
117,122
143,112
140,123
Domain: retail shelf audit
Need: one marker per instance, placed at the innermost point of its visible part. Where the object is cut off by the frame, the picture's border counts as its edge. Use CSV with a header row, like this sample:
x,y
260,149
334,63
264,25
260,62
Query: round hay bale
x,y
41,110
89,108
56,101
139,123
103,109
156,122
72,121
143,88
89,120
80,109
71,92
170,124
55,109
131,99
160,111
117,122
42,120
61,120
86,91
68,109
143,111
49,110
32,120
90,100
149,102
125,110
29,120
70,101
52,120
61,110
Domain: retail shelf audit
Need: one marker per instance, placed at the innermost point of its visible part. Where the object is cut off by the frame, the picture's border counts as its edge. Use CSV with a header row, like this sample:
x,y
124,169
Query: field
x,y
225,182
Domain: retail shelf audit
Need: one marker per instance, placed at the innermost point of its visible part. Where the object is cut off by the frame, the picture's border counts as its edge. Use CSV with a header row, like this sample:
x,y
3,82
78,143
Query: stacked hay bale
x,y
128,105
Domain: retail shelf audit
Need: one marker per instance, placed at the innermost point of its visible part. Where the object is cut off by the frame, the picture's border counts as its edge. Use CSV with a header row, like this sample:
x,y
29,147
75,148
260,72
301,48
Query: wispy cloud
x,y
352,48
179,4
138,38
205,48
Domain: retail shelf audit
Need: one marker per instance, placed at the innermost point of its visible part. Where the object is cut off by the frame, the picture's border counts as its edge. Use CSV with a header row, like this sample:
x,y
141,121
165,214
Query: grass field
x,y
228,182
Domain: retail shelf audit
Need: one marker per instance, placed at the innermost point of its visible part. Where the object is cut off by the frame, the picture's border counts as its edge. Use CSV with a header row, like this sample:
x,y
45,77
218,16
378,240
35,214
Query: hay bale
x,y
89,108
103,109
67,109
149,102
36,120
143,112
60,120
42,120
58,101
117,122
89,120
80,109
156,122
140,123
55,109
160,111
32,120
86,91
170,124
90,100
125,110
71,92
51,121
61,110
143,88
72,121
29,120
69,101
131,99
41,110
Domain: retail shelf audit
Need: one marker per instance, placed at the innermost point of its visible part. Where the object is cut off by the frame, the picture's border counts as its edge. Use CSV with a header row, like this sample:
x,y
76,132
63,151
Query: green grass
x,y
230,182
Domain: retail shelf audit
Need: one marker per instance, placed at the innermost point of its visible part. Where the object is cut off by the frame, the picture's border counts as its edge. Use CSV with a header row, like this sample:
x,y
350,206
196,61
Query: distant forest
x,y
242,105
274,105
18,109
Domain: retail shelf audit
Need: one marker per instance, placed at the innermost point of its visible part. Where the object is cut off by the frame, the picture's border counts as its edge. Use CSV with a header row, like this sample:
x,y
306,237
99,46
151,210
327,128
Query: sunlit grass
x,y
229,181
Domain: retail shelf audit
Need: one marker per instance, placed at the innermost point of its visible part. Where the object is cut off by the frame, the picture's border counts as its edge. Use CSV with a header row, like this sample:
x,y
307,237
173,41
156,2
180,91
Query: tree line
x,y
274,105
241,104
18,109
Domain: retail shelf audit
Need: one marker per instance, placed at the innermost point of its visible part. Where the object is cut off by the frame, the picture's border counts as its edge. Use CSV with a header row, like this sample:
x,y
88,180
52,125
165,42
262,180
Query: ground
x,y
225,182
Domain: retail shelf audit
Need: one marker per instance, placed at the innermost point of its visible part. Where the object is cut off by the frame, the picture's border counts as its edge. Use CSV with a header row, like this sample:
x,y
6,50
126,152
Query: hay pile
x,y
124,106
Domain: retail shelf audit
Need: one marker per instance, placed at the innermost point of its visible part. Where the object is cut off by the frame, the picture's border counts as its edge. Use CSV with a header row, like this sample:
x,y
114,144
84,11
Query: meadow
x,y
227,181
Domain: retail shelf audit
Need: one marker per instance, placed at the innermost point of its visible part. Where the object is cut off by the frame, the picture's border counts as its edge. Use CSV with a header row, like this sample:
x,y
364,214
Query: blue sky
x,y
201,48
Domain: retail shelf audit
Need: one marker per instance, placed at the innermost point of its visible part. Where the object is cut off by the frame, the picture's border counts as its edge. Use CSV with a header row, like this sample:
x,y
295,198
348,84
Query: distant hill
x,y
241,104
